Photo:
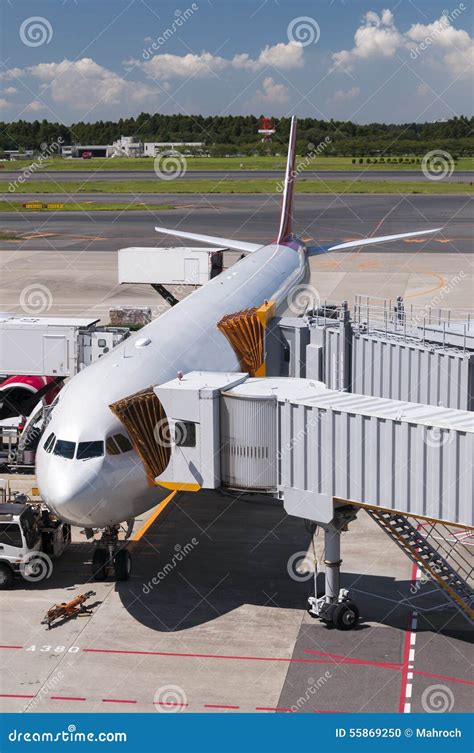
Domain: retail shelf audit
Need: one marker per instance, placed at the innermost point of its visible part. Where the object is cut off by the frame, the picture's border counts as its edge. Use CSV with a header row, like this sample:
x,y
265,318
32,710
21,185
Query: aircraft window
x,y
123,442
64,449
117,444
86,450
48,445
10,534
112,448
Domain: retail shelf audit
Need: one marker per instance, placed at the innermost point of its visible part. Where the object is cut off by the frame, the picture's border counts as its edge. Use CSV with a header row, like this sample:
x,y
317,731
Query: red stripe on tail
x,y
286,219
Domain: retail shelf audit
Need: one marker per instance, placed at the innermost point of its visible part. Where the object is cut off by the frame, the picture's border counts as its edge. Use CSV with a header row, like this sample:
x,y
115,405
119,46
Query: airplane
x,y
88,470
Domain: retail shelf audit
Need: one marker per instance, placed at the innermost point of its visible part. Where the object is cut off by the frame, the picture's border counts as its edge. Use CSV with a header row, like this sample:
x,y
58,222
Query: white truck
x,y
30,538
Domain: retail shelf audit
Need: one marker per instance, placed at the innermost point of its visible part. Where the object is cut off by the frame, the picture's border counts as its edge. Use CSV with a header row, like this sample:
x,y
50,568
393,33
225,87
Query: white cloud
x,y
376,37
437,43
272,93
10,90
84,84
4,103
342,95
164,66
34,106
184,66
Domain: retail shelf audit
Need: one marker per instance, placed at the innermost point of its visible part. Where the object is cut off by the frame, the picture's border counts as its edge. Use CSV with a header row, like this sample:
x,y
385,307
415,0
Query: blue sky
x,y
364,60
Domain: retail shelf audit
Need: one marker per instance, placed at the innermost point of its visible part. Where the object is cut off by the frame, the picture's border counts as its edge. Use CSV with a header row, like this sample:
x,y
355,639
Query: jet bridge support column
x,y
332,561
335,607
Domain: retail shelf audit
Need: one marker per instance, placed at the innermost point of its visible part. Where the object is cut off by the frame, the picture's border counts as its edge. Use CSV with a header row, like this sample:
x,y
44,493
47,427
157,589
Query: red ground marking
x,y
15,695
66,698
443,677
264,708
11,646
169,703
219,706
202,656
350,660
117,700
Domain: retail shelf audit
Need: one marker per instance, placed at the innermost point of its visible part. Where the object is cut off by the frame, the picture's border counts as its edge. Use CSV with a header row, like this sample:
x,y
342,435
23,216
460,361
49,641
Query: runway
x,y
461,176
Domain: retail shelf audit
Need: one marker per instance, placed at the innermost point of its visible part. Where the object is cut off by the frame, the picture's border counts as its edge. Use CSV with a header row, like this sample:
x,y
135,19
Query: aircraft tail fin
x,y
286,218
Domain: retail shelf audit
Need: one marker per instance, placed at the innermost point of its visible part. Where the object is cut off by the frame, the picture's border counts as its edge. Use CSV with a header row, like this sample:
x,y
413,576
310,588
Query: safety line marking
x,y
118,700
164,503
408,667
66,698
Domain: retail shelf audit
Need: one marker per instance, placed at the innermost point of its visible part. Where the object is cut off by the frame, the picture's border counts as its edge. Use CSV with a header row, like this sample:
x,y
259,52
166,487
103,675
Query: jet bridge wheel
x,y
345,615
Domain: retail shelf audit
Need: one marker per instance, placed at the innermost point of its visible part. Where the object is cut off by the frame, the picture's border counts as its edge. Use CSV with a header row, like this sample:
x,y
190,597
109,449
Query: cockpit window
x,y
86,450
48,445
117,444
64,449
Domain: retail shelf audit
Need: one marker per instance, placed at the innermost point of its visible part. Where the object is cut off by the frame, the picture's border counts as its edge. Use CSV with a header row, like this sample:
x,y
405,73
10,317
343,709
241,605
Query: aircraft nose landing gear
x,y
111,557
334,607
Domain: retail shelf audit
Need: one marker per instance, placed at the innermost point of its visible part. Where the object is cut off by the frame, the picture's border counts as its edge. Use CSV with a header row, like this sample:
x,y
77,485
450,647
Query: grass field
x,y
267,186
227,163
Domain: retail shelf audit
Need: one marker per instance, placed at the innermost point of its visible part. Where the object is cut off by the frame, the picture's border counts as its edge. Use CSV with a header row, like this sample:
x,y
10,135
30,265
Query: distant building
x,y
125,146
152,148
16,154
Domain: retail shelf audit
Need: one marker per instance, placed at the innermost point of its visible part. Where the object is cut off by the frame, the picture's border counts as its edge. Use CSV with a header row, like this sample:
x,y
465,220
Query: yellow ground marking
x,y
179,487
141,531
441,284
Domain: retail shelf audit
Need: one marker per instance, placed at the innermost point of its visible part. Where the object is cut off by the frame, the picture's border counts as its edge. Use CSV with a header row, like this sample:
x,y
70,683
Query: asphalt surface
x,y
218,175
223,628
253,218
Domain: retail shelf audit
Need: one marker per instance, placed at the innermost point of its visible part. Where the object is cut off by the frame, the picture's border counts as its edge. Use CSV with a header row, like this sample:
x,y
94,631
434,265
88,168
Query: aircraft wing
x,y
212,240
380,239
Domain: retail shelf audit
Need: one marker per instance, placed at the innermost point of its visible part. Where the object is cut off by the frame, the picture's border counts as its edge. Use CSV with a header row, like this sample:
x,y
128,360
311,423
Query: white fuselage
x,y
113,488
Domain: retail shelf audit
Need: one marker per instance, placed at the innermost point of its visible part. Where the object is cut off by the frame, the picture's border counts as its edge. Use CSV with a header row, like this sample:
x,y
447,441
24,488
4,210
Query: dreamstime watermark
x,y
49,685
181,17
314,151
36,299
35,31
299,436
313,687
424,314
300,567
47,150
170,164
71,735
436,437
303,297
437,165
304,30
181,552
438,30
36,566
167,434
170,699
437,699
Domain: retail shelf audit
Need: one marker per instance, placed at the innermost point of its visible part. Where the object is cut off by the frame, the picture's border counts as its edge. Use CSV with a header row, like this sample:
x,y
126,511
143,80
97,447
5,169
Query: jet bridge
x,y
326,454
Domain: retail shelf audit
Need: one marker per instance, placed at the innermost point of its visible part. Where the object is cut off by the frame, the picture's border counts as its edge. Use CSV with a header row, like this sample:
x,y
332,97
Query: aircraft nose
x,y
71,490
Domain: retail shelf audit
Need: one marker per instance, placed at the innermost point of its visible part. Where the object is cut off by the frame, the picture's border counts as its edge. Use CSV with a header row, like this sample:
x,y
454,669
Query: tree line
x,y
236,134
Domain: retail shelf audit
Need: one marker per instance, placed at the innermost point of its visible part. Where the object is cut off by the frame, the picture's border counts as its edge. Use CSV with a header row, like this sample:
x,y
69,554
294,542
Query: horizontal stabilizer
x,y
211,240
381,239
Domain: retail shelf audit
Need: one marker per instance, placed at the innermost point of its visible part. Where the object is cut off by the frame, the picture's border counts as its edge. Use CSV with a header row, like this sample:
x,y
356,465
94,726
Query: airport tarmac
x,y
223,627
73,255
399,176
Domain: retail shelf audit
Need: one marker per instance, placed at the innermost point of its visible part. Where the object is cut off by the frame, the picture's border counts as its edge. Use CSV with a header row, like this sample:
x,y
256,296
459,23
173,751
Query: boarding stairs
x,y
438,551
